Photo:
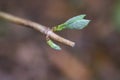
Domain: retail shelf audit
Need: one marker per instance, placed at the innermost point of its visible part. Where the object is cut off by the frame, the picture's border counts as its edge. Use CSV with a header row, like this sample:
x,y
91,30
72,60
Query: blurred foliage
x,y
3,28
76,3
116,15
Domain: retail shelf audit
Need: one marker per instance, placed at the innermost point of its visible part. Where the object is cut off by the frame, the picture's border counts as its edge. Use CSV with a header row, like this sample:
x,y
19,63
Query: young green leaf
x,y
71,20
76,22
53,45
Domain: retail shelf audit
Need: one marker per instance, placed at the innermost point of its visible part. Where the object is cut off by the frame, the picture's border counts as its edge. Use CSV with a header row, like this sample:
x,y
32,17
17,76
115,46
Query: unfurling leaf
x,y
59,27
77,22
53,45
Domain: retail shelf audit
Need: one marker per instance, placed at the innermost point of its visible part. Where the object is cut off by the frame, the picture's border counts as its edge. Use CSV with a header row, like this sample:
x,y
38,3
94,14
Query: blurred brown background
x,y
24,54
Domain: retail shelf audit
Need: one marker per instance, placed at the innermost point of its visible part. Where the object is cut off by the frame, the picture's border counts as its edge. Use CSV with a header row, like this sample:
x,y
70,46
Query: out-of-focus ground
x,y
24,54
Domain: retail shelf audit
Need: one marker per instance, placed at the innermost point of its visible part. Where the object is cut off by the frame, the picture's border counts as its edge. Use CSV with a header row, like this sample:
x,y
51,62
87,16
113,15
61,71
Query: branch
x,y
36,26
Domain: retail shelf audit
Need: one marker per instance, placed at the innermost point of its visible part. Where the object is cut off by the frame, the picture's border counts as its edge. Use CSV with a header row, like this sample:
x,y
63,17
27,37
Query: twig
x,y
36,26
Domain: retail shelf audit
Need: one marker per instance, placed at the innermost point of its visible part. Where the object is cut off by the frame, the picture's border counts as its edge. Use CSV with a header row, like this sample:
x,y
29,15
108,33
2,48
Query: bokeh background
x,y
24,54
